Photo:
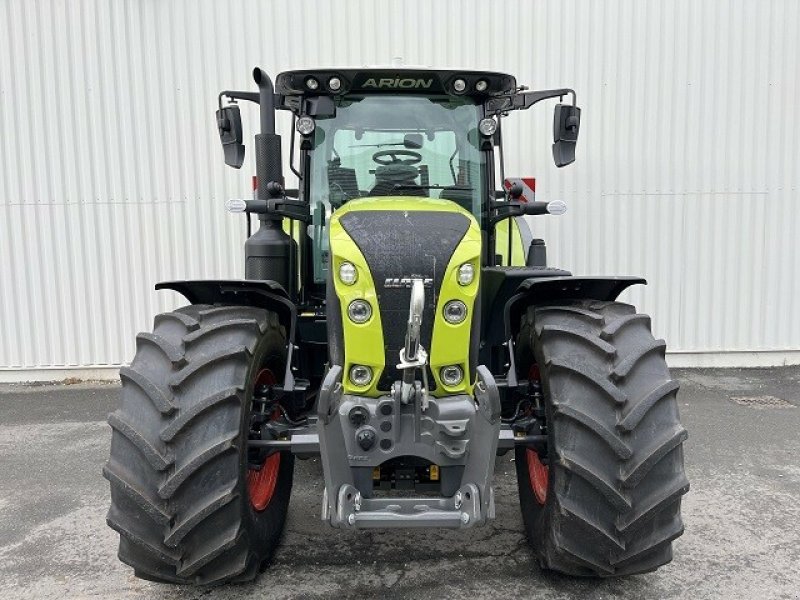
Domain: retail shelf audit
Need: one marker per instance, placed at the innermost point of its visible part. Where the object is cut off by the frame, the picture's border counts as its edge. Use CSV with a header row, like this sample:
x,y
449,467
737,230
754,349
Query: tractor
x,y
398,320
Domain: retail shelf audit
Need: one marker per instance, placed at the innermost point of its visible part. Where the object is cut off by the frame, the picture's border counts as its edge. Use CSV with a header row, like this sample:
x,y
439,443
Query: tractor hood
x,y
392,241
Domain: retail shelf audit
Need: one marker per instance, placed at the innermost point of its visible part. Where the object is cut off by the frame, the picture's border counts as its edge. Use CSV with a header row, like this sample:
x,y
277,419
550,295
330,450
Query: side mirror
x,y
413,141
566,123
229,125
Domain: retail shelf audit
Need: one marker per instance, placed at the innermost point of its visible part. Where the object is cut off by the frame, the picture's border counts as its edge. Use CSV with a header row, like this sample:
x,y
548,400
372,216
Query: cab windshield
x,y
392,145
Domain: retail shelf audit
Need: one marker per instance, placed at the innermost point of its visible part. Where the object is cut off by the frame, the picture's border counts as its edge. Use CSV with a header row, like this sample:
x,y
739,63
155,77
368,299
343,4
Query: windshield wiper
x,y
377,145
414,186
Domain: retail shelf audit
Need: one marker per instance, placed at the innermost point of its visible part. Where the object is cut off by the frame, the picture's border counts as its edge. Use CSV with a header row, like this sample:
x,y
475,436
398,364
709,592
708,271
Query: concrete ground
x,y
742,514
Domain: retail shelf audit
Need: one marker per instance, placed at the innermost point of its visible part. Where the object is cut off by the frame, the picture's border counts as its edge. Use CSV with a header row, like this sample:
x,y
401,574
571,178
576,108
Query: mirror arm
x,y
524,100
234,95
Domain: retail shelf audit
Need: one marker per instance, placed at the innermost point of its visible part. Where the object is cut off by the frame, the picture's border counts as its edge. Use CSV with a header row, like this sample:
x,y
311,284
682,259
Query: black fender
x,y
239,292
548,290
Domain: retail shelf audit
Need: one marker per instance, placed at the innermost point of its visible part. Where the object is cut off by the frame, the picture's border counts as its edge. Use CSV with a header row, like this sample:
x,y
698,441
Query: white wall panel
x,y
688,170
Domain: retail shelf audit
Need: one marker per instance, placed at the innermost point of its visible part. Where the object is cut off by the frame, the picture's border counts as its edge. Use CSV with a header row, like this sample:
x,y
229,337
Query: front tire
x,y
605,500
178,469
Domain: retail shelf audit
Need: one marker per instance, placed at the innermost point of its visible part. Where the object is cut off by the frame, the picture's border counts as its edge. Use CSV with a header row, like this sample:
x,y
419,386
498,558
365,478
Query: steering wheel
x,y
392,157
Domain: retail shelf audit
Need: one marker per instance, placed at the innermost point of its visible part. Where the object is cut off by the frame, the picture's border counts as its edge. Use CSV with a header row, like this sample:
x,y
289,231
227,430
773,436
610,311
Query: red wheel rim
x,y
537,472
538,475
261,482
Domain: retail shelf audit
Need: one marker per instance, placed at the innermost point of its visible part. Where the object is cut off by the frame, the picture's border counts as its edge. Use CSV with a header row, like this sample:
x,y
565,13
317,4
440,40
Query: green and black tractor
x,y
398,320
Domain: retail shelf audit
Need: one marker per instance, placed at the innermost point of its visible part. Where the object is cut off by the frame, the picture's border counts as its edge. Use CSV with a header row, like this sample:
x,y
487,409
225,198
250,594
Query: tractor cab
x,y
401,133
389,134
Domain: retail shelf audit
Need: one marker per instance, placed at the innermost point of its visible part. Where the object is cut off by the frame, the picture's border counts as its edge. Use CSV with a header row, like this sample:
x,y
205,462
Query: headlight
x,y
360,375
348,274
335,84
305,125
359,311
459,85
455,312
487,126
466,273
312,83
481,85
451,375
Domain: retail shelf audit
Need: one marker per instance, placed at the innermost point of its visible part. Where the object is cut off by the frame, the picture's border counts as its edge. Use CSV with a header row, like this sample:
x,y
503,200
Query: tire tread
x,y
175,501
617,439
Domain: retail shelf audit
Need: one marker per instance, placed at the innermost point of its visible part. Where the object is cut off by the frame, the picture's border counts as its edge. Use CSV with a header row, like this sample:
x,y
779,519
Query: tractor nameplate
x,y
406,282
396,82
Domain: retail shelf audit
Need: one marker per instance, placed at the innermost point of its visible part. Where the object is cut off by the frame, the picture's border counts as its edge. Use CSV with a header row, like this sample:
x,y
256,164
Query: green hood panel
x,y
390,241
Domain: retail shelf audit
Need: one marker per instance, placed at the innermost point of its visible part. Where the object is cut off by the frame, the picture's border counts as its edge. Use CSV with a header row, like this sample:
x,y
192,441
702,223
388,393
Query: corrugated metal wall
x,y
688,170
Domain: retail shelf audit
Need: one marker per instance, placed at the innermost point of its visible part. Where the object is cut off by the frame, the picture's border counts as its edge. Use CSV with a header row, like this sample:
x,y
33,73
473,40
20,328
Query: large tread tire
x,y
615,442
178,464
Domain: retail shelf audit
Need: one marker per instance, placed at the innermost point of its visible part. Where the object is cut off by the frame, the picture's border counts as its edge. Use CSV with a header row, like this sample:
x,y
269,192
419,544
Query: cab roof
x,y
376,80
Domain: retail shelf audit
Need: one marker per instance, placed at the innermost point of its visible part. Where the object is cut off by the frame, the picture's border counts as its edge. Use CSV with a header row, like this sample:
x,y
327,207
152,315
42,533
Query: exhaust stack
x,y
269,164
269,252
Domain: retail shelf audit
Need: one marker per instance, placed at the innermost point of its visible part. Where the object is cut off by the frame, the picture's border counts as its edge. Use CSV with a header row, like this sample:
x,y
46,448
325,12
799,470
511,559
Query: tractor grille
x,y
402,245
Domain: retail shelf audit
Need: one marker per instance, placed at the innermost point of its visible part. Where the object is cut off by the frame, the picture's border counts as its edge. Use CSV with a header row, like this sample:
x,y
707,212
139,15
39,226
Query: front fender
x,y
239,292
546,290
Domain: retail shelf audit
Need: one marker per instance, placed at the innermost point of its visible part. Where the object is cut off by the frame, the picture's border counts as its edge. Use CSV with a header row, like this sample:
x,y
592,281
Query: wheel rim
x,y
537,472
261,482
538,475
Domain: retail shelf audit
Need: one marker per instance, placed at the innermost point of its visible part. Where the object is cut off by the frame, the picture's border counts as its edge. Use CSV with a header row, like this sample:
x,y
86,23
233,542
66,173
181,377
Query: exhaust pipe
x,y
269,163
269,253
266,100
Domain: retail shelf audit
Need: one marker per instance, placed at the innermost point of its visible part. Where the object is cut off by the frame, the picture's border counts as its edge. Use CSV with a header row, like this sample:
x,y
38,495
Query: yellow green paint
x,y
363,344
501,243
450,343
